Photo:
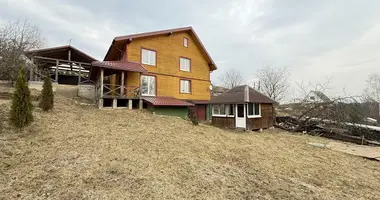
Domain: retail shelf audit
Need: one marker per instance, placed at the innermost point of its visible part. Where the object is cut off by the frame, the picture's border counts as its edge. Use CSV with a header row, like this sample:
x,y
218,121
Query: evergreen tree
x,y
21,111
47,96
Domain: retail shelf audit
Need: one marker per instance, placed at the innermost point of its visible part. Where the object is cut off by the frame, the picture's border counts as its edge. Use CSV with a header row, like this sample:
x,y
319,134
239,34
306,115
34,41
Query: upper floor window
x,y
184,64
185,42
148,85
254,110
185,86
148,57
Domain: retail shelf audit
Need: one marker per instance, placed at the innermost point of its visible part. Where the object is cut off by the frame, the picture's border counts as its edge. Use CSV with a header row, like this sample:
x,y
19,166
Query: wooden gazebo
x,y
62,60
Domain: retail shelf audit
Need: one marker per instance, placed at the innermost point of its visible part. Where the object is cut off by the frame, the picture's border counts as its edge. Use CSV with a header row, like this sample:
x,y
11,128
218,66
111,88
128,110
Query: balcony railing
x,y
118,91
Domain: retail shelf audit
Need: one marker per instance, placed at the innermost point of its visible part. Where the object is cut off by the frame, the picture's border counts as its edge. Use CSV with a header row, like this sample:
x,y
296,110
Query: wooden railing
x,y
112,90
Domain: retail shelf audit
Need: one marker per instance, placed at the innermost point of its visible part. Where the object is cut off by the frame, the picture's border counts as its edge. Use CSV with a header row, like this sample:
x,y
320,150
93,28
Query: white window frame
x,y
218,114
227,110
253,107
183,68
155,85
152,57
180,86
185,42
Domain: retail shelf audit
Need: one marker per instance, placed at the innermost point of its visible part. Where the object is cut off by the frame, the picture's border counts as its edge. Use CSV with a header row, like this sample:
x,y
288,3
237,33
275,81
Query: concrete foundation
x,y
86,91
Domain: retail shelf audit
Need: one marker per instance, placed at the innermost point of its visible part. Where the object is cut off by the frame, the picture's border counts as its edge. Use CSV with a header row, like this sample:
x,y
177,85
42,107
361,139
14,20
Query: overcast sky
x,y
315,39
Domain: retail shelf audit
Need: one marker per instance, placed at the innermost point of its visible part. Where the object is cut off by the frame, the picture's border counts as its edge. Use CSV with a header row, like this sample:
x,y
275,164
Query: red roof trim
x,y
121,65
166,101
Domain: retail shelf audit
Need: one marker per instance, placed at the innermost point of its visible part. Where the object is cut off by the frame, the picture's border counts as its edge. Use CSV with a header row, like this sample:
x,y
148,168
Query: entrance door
x,y
240,116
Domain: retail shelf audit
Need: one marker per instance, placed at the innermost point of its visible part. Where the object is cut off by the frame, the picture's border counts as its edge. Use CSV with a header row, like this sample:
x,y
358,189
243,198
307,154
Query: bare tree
x,y
273,81
373,87
231,78
15,39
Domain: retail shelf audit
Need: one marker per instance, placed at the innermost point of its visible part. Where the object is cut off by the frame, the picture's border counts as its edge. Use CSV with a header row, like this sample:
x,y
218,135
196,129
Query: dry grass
x,y
79,152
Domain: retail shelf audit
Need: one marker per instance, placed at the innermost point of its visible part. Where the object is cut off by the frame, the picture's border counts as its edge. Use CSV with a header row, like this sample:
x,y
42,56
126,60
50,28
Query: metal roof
x,y
241,94
166,101
61,52
120,65
162,32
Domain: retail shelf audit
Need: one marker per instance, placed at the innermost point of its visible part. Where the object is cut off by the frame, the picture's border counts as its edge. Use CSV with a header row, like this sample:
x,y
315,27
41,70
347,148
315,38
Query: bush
x,y
21,111
193,116
47,96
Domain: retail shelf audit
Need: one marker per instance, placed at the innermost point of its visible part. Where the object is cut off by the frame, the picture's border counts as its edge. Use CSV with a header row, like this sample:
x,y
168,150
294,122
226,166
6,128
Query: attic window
x,y
185,42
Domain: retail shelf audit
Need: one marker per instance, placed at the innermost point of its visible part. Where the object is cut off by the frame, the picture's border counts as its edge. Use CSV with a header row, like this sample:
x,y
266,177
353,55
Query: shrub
x,y
193,116
21,111
47,96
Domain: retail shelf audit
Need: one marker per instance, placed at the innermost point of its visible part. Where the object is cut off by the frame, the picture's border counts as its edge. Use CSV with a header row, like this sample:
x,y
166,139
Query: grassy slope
x,y
76,152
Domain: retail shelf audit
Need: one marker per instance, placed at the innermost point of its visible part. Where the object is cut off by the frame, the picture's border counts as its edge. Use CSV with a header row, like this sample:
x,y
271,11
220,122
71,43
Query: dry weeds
x,y
79,152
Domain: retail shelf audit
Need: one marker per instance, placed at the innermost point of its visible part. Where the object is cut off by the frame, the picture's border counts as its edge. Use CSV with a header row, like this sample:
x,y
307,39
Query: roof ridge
x,y
153,32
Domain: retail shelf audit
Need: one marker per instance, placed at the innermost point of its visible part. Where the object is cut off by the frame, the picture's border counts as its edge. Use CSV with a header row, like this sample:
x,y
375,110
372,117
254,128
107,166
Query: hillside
x,y
80,152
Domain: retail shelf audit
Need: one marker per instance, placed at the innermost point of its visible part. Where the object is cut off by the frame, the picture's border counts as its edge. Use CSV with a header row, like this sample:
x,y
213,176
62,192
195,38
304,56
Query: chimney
x,y
246,93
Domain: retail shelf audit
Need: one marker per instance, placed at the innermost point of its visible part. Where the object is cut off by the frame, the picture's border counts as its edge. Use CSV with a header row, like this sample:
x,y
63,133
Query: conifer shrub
x,y
21,113
47,96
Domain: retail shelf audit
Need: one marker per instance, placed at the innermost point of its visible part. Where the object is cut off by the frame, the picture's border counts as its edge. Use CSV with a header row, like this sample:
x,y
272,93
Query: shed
x,y
242,107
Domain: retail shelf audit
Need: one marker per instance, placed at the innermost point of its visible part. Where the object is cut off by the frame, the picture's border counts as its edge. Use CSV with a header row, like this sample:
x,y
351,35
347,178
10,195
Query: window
x,y
230,110
184,64
254,110
148,57
218,110
148,85
185,42
312,98
185,86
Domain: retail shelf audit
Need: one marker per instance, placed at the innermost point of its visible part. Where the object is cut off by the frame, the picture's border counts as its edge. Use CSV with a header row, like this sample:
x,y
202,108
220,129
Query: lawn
x,y
80,152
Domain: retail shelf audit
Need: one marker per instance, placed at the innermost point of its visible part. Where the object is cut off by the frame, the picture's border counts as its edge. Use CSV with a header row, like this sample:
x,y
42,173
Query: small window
x,y
184,64
219,109
148,57
254,110
148,85
185,86
312,98
185,42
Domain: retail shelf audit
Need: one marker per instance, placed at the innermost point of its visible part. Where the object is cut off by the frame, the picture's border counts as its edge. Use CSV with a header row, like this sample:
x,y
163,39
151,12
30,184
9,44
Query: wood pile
x,y
338,131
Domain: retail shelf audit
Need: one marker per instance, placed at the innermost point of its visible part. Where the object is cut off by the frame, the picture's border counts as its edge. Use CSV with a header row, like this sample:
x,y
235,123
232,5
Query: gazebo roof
x,y
241,94
61,53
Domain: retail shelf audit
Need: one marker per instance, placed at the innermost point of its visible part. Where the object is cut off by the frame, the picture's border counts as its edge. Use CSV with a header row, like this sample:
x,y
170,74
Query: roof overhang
x,y
166,101
120,66
66,52
121,41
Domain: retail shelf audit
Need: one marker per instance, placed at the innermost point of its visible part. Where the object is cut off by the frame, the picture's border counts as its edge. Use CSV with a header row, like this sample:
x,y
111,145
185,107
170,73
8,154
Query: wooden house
x,y
164,71
242,107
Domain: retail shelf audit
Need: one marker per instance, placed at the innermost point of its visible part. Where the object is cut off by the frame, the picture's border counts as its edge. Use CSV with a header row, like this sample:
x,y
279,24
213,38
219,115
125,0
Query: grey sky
x,y
314,39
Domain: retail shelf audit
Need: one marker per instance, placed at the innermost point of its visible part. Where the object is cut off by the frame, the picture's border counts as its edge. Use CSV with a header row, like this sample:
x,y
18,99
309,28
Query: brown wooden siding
x,y
266,119
224,122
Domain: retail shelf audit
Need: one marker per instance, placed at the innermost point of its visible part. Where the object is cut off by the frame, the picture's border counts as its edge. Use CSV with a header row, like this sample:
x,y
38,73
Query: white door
x,y
240,116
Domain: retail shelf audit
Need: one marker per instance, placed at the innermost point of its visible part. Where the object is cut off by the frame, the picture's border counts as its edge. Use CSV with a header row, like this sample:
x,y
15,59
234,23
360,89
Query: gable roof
x,y
61,52
129,38
241,94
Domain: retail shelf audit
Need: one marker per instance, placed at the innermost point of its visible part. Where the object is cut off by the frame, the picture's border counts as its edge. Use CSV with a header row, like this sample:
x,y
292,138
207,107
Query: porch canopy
x,y
66,60
166,101
113,66
240,95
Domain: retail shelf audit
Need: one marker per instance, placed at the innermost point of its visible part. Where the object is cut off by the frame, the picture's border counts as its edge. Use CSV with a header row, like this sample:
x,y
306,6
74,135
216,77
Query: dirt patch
x,y
80,152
